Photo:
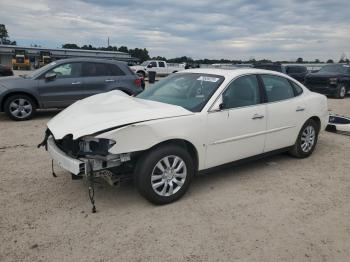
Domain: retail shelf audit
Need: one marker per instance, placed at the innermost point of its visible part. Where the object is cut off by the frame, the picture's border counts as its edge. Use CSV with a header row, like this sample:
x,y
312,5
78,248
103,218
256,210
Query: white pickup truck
x,y
162,68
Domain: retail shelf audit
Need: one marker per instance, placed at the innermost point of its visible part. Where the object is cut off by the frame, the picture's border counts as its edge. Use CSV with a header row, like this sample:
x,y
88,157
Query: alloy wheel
x,y
20,108
168,175
308,138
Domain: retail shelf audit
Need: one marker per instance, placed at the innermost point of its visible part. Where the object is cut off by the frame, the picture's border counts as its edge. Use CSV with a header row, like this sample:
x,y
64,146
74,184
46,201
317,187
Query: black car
x,y
330,80
298,72
5,71
63,82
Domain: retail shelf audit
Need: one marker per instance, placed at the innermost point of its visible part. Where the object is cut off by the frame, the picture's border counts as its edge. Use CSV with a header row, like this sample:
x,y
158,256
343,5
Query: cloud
x,y
201,29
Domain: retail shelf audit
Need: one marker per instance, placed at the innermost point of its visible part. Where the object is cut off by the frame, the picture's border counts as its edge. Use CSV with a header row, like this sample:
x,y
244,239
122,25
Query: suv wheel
x,y
19,107
341,91
164,174
306,141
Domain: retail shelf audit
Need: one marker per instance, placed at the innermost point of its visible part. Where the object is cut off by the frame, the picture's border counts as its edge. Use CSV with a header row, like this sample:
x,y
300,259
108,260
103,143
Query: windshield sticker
x,y
208,79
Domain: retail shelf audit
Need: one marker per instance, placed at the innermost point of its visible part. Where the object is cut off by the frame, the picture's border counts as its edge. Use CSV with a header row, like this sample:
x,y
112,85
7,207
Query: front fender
x,y
145,135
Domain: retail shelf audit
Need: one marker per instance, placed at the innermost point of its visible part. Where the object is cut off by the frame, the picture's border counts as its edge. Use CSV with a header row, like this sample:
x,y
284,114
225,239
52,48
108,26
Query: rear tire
x,y
306,141
164,174
341,91
19,107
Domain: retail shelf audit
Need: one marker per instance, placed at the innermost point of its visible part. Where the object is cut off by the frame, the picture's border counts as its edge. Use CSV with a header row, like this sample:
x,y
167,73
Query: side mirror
x,y
149,66
219,105
50,76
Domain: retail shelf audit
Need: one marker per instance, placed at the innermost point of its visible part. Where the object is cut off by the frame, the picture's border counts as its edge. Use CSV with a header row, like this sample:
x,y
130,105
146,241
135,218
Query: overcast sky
x,y
200,29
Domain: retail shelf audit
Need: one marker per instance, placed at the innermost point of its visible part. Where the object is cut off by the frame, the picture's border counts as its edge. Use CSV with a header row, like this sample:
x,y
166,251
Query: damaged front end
x,y
88,157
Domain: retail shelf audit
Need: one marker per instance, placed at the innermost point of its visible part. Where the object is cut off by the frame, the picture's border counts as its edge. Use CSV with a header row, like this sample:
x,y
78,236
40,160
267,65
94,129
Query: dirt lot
x,y
276,209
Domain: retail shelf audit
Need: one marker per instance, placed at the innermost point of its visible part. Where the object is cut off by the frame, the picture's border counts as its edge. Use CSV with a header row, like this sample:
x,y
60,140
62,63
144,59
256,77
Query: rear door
x,y
98,78
286,112
64,89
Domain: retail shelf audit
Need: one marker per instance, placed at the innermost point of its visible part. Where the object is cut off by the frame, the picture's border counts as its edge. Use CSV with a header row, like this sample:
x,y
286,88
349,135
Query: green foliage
x,y
139,53
4,36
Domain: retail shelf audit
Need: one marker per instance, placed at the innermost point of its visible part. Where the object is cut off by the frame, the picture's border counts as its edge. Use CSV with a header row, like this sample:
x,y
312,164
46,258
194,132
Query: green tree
x,y
330,61
3,33
4,36
123,49
71,46
300,60
139,53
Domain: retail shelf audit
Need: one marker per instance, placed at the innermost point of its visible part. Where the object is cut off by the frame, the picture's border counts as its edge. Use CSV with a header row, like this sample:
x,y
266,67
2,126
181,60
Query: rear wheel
x,y
164,174
19,107
341,91
306,141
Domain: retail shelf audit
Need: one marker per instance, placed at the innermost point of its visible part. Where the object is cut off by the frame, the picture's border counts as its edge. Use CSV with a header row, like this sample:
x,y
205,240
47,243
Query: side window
x,y
243,91
297,89
153,64
277,88
161,64
115,70
67,70
96,69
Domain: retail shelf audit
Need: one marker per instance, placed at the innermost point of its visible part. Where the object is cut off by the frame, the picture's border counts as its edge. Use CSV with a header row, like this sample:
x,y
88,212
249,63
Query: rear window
x,y
297,89
116,71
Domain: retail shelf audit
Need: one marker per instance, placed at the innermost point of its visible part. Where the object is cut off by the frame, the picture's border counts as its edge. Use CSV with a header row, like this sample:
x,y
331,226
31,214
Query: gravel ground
x,y
275,209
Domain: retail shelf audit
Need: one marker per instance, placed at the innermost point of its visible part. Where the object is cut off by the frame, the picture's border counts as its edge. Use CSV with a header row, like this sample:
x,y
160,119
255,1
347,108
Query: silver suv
x,y
62,82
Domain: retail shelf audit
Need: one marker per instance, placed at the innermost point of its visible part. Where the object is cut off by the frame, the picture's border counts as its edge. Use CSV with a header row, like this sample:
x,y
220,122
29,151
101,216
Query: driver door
x,y
237,123
64,89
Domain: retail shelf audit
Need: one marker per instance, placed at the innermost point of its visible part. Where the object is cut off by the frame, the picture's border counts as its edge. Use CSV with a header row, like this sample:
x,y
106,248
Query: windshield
x,y
39,71
335,69
145,63
188,90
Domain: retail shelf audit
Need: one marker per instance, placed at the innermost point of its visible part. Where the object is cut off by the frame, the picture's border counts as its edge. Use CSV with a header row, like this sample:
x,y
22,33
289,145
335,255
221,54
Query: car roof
x,y
231,73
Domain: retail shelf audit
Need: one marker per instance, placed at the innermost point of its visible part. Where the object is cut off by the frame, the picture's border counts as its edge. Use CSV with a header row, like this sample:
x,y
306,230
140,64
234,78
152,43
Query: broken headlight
x,y
95,146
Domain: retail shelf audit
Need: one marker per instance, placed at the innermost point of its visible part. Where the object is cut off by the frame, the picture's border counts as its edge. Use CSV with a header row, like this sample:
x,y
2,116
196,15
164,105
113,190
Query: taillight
x,y
138,82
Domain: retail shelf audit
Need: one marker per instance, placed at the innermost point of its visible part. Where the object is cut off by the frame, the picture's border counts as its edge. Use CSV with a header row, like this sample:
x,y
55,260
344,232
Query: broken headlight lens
x,y
95,146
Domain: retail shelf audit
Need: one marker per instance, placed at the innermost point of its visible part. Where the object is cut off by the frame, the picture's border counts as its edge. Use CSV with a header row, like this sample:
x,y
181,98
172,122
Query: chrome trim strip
x,y
250,135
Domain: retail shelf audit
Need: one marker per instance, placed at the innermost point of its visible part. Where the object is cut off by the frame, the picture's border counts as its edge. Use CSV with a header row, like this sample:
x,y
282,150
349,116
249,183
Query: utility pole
x,y
108,42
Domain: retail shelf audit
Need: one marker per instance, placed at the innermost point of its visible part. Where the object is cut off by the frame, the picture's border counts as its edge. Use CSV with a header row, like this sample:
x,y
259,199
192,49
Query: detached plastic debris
x,y
339,124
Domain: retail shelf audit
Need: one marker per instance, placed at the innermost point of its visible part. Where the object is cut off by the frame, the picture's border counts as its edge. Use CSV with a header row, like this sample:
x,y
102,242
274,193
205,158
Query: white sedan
x,y
186,123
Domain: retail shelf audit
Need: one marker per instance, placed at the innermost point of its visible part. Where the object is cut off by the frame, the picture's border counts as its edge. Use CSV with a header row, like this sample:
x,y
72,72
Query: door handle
x,y
300,109
109,80
76,83
257,116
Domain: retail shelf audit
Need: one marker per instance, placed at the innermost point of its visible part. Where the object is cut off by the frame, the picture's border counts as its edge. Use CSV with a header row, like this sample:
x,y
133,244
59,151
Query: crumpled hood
x,y
108,110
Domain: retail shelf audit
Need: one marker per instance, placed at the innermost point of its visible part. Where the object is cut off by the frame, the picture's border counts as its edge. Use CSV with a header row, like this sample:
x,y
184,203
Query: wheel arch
x,y
184,144
317,120
2,102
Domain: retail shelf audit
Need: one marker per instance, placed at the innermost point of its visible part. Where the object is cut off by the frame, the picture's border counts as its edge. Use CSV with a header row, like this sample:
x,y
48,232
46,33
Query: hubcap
x,y
20,108
168,175
308,138
342,91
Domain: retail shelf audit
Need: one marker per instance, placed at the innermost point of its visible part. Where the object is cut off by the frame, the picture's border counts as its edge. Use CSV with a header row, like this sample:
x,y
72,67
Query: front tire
x,y
341,91
164,174
306,141
19,107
